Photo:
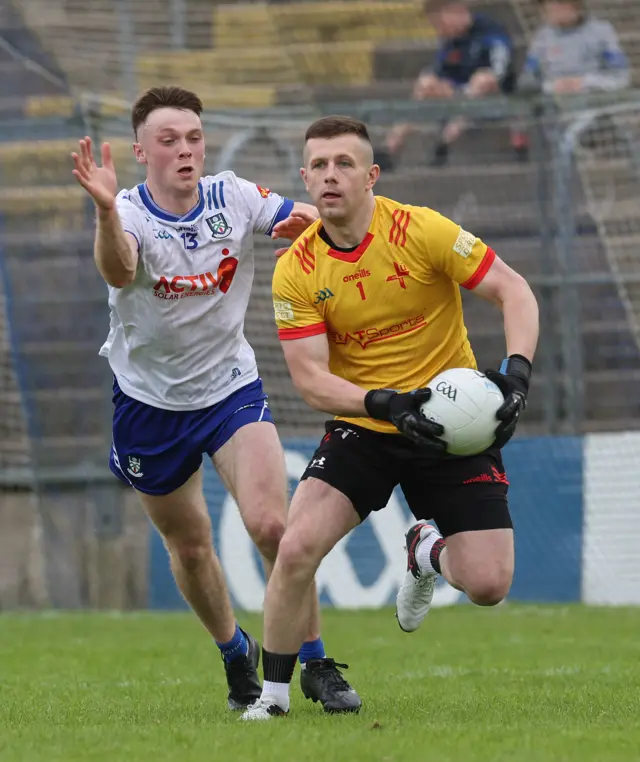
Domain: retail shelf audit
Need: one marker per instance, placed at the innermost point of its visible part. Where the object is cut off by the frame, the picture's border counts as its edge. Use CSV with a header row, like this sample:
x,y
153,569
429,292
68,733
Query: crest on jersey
x,y
135,469
219,226
264,192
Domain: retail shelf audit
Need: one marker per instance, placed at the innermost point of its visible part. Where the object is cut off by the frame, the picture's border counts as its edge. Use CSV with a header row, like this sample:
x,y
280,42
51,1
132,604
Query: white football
x,y
465,402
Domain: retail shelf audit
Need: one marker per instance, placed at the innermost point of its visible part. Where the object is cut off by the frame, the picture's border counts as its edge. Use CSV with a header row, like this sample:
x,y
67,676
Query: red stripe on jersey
x,y
310,256
306,259
286,334
392,232
404,229
483,269
399,227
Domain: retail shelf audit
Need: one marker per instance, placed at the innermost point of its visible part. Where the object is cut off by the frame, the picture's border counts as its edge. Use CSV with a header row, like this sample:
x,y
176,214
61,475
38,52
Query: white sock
x,y
423,553
279,692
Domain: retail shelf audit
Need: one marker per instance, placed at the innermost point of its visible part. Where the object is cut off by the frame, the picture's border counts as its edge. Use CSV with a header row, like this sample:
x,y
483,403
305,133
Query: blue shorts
x,y
156,451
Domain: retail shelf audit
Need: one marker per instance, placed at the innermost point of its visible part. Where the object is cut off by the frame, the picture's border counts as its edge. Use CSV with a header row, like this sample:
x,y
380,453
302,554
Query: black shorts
x,y
460,494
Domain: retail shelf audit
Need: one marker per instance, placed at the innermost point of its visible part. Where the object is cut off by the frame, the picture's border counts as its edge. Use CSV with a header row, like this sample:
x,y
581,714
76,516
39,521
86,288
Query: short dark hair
x,y
334,126
163,97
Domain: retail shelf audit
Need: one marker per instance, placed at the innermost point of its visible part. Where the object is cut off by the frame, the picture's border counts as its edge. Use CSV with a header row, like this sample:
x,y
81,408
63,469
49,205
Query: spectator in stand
x,y
573,52
475,59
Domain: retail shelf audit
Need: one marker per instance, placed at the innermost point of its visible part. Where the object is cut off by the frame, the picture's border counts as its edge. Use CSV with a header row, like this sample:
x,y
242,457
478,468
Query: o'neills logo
x,y
356,276
368,336
203,284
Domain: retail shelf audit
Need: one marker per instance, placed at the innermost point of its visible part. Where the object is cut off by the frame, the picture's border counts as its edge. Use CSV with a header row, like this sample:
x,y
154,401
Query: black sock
x,y
438,546
278,668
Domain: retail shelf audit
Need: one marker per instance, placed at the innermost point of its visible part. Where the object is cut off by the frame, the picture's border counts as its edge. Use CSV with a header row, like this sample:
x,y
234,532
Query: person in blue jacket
x,y
474,59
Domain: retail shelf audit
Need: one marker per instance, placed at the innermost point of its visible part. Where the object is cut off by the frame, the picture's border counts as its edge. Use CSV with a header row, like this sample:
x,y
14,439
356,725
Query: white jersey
x,y
176,339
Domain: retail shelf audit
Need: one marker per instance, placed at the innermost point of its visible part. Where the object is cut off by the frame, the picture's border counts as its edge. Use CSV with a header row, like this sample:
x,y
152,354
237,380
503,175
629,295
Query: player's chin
x,y
187,181
331,211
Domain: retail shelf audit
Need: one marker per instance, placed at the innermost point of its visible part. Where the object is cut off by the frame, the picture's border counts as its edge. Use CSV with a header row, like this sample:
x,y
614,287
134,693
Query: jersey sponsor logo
x,y
161,235
323,295
203,284
283,310
356,276
367,336
317,463
135,469
264,192
398,232
464,243
305,256
219,226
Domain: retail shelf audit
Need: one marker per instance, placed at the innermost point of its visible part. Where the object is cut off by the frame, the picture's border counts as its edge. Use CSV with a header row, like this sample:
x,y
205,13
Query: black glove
x,y
402,409
513,381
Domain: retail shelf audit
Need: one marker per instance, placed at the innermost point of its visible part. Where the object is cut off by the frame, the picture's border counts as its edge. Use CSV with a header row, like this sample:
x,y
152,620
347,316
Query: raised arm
x,y
115,251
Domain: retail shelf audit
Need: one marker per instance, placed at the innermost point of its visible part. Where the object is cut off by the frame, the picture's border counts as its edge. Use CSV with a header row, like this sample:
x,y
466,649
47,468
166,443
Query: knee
x,y
296,556
191,554
266,534
489,589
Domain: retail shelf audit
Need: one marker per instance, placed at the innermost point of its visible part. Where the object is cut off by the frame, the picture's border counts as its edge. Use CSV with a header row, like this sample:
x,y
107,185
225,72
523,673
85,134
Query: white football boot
x,y
264,708
416,593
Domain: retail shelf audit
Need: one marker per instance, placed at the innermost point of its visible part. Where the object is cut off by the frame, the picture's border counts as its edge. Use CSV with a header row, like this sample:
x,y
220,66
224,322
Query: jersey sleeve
x,y
266,208
454,251
131,217
296,315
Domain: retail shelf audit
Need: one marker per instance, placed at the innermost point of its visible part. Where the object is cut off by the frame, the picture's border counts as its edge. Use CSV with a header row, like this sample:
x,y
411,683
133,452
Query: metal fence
x,y
568,219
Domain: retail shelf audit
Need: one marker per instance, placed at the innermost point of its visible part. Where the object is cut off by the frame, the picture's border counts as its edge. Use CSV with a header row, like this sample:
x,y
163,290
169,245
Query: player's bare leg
x,y
183,521
251,465
479,563
252,468
319,517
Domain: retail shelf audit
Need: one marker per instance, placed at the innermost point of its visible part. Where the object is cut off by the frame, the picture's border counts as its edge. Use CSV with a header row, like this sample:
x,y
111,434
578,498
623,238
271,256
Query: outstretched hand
x,y
295,224
100,182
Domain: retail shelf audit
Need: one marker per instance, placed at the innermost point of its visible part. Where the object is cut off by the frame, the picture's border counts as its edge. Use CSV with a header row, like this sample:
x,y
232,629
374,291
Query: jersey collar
x,y
163,214
354,256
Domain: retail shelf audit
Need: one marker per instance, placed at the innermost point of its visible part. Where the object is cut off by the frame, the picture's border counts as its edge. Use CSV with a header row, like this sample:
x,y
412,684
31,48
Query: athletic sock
x,y
277,693
238,646
278,672
311,649
428,554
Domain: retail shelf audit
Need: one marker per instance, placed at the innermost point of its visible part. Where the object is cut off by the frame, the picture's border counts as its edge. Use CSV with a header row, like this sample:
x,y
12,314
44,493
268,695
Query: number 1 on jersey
x,y
360,287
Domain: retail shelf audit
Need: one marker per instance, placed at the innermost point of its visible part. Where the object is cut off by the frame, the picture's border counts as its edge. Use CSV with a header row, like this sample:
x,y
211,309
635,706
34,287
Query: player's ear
x,y
139,153
374,174
303,175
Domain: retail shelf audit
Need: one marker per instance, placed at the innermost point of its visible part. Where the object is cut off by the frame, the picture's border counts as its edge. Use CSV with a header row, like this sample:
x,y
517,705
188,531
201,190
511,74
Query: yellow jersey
x,y
391,308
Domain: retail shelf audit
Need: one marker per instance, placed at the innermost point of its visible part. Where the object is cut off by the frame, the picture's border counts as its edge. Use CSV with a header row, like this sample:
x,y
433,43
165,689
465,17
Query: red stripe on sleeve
x,y
286,334
483,269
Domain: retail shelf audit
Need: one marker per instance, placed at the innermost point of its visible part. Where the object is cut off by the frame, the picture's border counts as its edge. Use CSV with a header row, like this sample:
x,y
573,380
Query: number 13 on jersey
x,y
190,240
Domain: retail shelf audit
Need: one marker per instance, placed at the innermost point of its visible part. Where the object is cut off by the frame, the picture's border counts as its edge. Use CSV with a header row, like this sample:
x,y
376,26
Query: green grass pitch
x,y
473,685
